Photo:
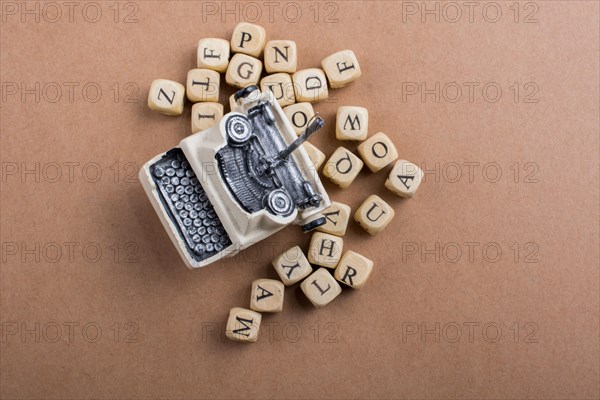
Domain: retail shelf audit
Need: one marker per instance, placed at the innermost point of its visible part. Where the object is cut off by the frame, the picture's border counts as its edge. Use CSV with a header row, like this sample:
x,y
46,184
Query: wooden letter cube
x,y
353,270
254,96
378,151
243,71
315,155
213,54
337,215
341,68
374,214
243,325
231,102
299,114
310,85
203,85
325,249
352,123
404,179
267,295
248,39
342,167
292,266
281,56
321,288
281,86
166,97
205,115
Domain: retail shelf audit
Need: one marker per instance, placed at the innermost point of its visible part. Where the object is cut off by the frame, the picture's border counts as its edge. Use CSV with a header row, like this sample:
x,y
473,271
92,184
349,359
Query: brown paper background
x,y
170,342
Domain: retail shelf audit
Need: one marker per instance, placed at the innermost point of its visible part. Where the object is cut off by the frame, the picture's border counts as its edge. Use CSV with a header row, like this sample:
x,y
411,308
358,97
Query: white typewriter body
x,y
214,193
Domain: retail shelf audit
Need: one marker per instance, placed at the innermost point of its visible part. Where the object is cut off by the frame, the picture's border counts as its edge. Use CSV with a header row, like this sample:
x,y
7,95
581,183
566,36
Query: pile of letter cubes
x,y
295,90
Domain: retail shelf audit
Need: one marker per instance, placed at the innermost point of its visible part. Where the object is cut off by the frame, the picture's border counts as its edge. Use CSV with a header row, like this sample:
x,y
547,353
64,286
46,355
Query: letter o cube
x,y
342,167
378,151
299,114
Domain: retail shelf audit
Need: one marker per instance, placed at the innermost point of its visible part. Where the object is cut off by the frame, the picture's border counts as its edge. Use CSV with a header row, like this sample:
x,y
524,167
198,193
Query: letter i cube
x,y
205,115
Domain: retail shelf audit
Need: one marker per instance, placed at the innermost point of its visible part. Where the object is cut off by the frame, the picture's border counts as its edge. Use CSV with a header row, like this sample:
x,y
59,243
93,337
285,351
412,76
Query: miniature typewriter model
x,y
236,183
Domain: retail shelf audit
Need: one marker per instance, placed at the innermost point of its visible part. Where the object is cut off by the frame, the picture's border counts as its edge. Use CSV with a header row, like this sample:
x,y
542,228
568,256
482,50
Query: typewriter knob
x,y
280,203
239,129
